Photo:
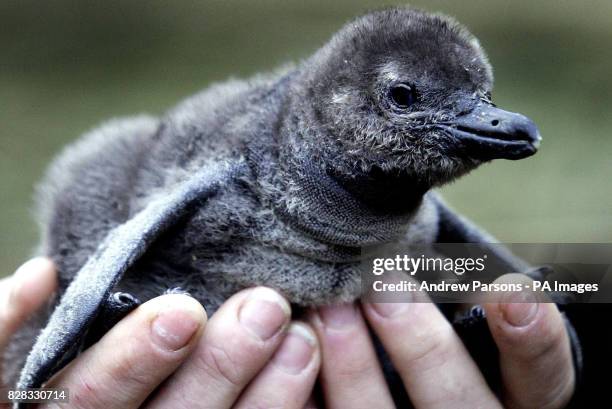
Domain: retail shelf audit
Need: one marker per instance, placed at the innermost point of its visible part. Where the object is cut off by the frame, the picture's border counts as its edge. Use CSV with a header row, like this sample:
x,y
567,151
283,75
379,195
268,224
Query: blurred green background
x,y
67,65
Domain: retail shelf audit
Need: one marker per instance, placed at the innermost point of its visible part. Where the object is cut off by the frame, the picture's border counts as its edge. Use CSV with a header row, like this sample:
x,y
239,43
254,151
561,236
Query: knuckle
x,y
352,369
217,363
102,384
547,346
430,347
139,365
539,344
230,359
129,368
108,379
85,391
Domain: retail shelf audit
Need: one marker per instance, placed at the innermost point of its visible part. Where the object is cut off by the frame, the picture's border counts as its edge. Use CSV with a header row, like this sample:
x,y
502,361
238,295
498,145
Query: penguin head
x,y
404,91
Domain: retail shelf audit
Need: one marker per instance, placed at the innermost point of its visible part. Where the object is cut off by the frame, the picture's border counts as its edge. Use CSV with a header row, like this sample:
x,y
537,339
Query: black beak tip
x,y
492,133
525,129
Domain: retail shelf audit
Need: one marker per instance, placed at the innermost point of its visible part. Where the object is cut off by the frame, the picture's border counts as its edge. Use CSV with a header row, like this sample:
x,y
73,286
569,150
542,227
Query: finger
x,y
239,339
131,360
435,367
349,360
288,378
535,353
20,295
23,293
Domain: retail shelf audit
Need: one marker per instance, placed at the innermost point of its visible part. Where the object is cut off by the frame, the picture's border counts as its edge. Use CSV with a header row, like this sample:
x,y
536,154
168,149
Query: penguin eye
x,y
403,95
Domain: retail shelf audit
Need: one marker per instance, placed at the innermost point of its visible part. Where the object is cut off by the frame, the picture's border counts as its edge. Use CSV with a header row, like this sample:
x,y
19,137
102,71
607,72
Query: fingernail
x,y
520,309
389,309
173,328
264,312
297,349
338,316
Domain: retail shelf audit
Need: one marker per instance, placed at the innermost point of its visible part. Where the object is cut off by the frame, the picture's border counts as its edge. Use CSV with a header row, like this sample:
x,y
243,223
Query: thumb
x,y
22,294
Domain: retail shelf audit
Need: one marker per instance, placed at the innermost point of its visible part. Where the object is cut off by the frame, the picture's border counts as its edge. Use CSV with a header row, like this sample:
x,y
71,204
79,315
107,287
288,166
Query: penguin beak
x,y
488,132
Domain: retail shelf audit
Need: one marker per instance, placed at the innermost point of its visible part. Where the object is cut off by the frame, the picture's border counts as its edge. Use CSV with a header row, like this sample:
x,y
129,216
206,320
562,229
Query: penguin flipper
x,y
89,293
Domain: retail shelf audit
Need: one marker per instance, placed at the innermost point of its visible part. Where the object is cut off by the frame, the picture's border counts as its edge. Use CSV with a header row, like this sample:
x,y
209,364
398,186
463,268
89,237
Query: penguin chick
x,y
280,180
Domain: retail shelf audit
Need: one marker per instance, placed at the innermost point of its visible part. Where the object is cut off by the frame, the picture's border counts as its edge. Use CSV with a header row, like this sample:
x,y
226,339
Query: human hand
x,y
248,354
20,296
225,362
436,369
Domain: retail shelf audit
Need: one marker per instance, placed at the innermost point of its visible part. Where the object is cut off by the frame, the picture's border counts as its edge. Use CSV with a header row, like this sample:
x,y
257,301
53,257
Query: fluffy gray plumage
x,y
328,161
272,228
